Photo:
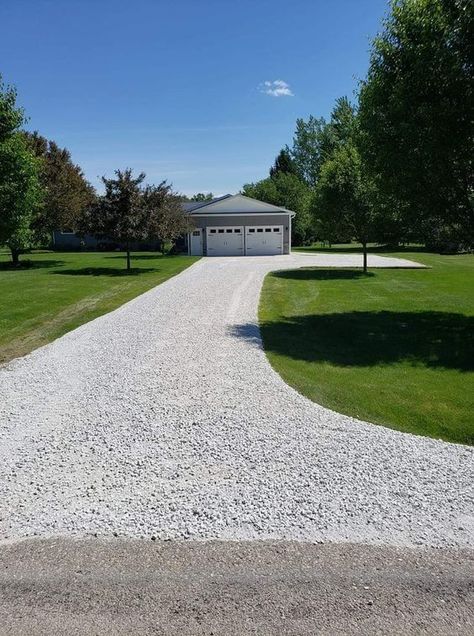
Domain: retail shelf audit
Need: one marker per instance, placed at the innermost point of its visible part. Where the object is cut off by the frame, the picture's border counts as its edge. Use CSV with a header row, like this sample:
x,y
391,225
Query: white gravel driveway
x,y
158,420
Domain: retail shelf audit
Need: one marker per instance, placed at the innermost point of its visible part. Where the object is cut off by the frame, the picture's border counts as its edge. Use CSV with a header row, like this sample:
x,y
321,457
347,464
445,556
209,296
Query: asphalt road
x,y
92,586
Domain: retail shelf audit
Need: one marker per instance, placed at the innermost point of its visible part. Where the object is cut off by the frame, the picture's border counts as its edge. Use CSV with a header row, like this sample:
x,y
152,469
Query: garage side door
x,y
264,240
225,241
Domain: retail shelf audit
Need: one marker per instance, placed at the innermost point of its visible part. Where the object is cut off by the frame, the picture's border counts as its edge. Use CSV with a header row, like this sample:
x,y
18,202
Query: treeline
x,y
396,166
42,190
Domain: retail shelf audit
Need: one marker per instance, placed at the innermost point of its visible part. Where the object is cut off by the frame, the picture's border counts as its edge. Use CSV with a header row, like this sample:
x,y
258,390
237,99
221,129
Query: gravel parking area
x,y
164,419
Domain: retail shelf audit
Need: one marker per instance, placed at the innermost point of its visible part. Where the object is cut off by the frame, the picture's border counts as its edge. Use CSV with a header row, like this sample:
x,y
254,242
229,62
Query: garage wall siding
x,y
262,219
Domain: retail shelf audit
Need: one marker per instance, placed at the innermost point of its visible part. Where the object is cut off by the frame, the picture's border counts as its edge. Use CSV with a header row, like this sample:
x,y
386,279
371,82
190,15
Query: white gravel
x,y
158,420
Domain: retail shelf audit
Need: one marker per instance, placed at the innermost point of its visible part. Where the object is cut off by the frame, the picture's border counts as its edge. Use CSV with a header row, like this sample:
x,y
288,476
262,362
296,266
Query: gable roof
x,y
233,204
189,206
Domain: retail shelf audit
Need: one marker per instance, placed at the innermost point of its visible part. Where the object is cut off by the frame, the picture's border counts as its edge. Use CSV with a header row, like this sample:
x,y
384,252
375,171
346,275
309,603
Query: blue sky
x,y
177,88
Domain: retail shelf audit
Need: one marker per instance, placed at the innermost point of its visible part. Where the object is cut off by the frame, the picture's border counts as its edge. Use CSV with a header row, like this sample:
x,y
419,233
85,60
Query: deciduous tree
x,y
66,191
165,217
20,191
345,198
286,190
417,117
119,213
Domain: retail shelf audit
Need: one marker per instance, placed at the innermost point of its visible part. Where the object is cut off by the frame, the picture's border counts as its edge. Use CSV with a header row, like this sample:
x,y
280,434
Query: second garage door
x,y
225,241
264,240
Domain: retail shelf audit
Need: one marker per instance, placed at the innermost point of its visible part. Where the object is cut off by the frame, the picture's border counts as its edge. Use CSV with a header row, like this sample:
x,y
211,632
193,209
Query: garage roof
x,y
232,204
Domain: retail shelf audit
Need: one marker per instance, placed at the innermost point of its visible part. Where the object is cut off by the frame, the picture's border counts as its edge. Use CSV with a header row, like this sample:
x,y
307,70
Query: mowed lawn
x,y
395,347
63,290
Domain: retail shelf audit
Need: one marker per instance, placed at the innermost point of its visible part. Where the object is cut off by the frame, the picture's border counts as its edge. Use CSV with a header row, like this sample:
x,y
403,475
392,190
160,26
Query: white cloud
x,y
276,88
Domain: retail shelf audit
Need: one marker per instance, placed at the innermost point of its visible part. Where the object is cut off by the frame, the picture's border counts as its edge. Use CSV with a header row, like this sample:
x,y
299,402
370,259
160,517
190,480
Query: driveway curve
x,y
163,419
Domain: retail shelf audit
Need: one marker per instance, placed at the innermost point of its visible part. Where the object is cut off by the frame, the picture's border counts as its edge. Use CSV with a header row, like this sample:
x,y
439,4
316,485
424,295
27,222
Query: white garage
x,y
225,241
236,225
264,240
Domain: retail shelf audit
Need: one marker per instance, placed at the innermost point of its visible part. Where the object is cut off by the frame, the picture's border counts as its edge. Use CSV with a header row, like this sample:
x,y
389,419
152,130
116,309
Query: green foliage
x,y
202,196
66,192
11,116
289,191
344,199
342,127
311,145
120,213
315,140
417,119
165,217
283,163
20,192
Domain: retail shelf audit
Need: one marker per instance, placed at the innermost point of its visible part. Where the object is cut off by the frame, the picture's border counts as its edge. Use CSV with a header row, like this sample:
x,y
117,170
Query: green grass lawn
x,y
63,290
395,347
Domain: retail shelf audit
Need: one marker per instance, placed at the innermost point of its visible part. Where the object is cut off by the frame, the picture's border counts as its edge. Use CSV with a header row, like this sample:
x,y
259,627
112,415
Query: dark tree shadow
x,y
106,271
29,264
357,249
141,257
312,273
364,338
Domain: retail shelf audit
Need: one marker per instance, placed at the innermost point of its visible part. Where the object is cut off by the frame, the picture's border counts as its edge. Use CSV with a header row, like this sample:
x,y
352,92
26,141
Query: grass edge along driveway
x,y
60,291
395,347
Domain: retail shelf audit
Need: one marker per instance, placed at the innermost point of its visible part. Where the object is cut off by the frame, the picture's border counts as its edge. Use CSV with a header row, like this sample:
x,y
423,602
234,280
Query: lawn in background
x,y
62,290
395,347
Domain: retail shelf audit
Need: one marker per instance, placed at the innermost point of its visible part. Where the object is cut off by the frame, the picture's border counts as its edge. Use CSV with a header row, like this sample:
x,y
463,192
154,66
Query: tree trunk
x,y
364,248
15,257
128,256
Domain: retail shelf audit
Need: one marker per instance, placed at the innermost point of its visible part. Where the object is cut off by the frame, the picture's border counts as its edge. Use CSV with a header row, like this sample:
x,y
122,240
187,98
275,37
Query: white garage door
x,y
264,240
225,241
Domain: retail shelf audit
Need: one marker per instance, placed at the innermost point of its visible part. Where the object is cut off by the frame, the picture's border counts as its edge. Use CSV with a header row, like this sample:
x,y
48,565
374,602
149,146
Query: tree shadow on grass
x,y
319,273
362,338
26,264
106,271
357,249
136,257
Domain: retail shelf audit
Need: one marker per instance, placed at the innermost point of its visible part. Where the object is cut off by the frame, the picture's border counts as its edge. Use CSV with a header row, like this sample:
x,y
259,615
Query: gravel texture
x,y
164,419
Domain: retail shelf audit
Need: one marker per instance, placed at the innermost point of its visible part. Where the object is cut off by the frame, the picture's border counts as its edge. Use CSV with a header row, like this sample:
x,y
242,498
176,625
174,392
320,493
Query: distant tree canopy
x,y
286,190
20,190
202,196
296,170
66,191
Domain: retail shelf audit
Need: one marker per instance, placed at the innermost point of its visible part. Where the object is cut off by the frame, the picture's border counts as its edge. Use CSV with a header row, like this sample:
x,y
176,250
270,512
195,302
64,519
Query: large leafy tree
x,y
20,191
119,214
417,117
66,191
344,198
